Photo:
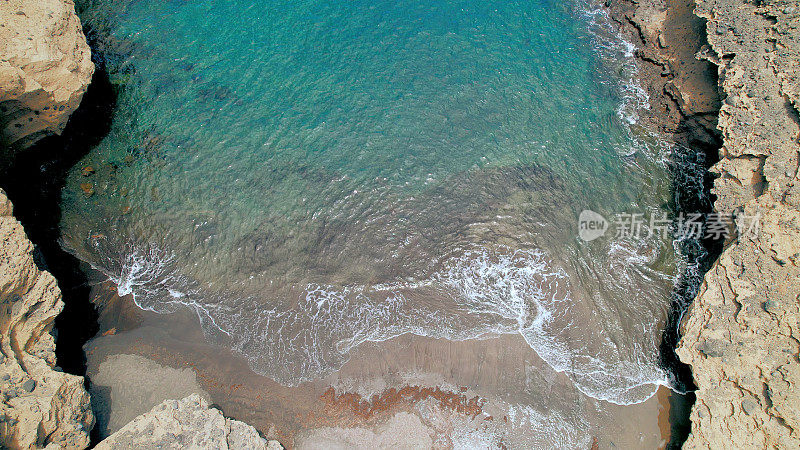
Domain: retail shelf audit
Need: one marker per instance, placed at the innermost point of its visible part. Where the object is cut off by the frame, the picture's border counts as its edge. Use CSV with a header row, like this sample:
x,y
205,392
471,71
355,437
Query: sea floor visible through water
x,y
337,256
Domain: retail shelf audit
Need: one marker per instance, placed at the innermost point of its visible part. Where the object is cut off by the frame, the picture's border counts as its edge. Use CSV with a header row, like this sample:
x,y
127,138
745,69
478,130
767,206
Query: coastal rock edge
x,y
45,68
741,333
40,404
187,423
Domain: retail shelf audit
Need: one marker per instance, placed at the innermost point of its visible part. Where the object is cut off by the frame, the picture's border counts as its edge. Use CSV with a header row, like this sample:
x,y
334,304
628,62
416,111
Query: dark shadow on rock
x,y
691,193
33,180
101,406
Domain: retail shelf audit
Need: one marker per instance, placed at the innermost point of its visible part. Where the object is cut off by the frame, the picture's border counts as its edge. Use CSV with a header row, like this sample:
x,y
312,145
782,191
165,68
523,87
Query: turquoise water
x,y
308,176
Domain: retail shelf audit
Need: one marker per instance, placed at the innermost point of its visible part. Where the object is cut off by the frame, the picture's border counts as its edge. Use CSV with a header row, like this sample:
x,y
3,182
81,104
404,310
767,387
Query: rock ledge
x,y
187,423
41,405
45,68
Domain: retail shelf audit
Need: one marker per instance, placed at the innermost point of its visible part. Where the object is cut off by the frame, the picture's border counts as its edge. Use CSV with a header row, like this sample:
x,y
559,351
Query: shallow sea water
x,y
309,176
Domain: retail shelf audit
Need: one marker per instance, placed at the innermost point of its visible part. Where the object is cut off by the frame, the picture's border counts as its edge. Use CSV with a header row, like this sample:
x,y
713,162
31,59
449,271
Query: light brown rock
x,y
186,424
741,333
40,406
45,68
671,36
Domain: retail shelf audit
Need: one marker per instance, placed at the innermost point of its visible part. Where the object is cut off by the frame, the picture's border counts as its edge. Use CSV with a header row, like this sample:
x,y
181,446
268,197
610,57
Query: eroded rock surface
x,y
45,68
682,88
40,406
741,333
187,423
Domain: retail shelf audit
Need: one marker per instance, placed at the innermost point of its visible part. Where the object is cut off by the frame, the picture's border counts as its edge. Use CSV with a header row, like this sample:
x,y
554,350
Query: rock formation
x,y
683,95
45,68
741,333
187,423
40,405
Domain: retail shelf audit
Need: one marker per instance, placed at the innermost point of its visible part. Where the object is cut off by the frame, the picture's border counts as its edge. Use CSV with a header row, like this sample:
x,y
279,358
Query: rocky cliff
x,y
187,423
45,68
40,405
741,333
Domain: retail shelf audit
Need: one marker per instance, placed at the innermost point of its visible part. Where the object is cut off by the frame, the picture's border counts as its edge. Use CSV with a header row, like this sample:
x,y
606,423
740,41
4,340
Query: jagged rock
x,y
747,393
41,406
187,423
45,68
685,100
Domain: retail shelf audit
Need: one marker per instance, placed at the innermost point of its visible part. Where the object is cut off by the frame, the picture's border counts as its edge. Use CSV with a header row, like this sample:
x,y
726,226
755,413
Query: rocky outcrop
x,y
741,333
40,405
683,94
45,68
187,423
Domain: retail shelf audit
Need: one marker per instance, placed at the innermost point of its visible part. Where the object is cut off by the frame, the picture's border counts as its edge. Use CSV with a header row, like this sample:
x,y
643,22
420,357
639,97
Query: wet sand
x,y
496,392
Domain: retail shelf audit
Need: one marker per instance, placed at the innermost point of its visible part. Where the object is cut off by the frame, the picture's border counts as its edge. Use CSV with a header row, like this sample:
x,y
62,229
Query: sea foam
x,y
476,295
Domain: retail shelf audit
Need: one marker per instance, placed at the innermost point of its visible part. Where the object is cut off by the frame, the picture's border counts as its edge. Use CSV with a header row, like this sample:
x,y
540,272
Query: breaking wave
x,y
477,295
618,51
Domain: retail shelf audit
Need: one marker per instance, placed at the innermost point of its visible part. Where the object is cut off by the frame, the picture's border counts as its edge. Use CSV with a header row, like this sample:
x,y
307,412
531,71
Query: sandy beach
x,y
497,389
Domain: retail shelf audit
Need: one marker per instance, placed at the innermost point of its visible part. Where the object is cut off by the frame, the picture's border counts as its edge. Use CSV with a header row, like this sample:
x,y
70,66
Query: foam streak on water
x,y
621,53
478,295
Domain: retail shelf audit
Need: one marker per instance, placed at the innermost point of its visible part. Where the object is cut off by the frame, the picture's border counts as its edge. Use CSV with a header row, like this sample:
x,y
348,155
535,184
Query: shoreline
x,y
405,375
68,134
682,108
684,104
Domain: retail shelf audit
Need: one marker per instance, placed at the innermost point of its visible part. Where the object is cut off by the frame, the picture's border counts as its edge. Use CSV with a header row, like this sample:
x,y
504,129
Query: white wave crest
x,y
478,294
